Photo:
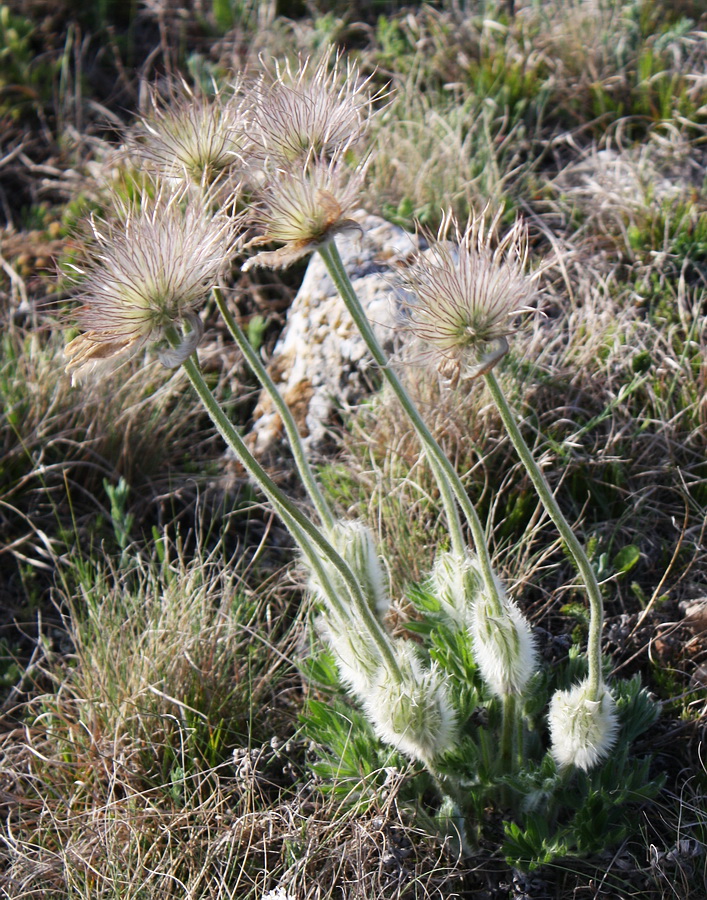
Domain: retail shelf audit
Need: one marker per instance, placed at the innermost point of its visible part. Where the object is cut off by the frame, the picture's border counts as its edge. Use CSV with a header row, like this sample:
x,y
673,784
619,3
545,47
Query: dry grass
x,y
443,153
153,749
171,666
164,757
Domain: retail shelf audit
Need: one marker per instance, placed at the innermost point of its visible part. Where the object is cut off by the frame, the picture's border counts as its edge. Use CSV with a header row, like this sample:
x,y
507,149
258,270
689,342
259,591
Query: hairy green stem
x,y
508,732
304,532
293,435
450,484
573,545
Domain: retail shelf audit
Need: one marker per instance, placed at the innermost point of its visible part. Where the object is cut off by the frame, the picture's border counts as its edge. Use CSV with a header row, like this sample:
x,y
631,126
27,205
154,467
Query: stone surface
x,y
320,363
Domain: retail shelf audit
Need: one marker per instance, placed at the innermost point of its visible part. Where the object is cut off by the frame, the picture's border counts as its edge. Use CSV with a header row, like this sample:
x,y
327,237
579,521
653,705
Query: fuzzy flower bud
x,y
150,270
305,210
466,294
456,583
355,544
356,655
583,730
503,646
414,713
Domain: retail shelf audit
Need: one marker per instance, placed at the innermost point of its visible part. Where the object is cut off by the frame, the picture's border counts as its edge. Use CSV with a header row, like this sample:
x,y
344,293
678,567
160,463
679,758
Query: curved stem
x,y
304,532
450,484
293,435
573,545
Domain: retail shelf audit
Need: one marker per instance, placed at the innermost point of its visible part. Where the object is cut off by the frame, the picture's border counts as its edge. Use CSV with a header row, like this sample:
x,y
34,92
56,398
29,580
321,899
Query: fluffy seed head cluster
x,y
304,210
583,730
312,111
414,713
467,291
194,138
151,269
456,582
503,646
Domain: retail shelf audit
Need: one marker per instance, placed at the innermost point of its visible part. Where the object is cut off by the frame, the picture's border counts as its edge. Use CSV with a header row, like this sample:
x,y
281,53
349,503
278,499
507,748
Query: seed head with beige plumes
x,y
149,269
466,290
198,139
311,111
303,210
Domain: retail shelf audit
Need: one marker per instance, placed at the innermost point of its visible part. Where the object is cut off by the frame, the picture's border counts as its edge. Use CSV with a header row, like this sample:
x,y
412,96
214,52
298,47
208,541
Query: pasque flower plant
x,y
466,298
149,271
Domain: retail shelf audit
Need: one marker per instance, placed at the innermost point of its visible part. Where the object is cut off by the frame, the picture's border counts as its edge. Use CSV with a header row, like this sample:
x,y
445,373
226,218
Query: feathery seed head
x,y
195,138
456,583
315,111
414,714
466,293
305,210
503,646
583,729
151,269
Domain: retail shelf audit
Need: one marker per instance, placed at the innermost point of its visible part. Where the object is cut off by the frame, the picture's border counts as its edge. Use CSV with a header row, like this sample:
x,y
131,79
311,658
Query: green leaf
x,y
626,559
257,326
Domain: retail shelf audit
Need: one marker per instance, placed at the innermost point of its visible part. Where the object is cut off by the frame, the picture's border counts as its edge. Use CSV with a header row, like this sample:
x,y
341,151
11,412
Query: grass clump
x,y
152,716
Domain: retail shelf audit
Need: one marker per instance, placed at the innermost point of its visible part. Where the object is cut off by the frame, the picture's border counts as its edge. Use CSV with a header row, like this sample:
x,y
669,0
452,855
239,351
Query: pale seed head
x,y
466,292
195,138
304,210
149,268
313,111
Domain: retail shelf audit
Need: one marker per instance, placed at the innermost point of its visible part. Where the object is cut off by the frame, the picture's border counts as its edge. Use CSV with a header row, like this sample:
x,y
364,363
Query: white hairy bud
x,y
355,653
583,729
503,646
354,543
412,712
456,583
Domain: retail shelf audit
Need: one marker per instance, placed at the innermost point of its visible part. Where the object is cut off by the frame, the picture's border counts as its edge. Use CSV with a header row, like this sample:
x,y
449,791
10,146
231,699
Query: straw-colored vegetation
x,y
171,724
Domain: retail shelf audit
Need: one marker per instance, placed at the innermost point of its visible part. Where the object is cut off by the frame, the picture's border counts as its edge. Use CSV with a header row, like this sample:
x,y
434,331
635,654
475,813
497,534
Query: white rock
x,y
320,362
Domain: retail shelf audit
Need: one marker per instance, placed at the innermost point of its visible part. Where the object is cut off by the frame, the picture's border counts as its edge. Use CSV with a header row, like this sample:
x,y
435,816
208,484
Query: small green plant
x,y
121,519
26,82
